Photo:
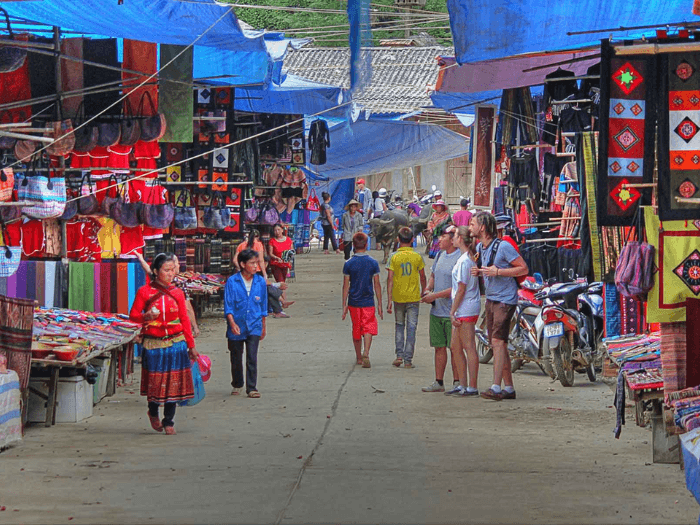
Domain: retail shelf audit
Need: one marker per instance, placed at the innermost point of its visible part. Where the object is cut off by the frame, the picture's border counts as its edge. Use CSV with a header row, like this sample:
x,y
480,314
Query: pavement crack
x,y
319,441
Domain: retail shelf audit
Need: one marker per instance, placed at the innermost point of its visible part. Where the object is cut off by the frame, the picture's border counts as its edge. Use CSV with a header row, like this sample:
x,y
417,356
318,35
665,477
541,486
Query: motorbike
x,y
524,341
572,316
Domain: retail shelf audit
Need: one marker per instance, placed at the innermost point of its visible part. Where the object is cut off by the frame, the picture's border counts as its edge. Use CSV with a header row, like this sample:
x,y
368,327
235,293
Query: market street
x,y
332,442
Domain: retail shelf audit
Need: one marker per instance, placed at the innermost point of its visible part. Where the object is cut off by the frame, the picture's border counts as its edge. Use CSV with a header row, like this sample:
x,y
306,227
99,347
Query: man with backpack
x,y
499,264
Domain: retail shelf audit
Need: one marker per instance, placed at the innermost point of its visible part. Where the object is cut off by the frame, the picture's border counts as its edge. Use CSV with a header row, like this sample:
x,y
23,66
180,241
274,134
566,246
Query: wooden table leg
x,y
112,375
51,401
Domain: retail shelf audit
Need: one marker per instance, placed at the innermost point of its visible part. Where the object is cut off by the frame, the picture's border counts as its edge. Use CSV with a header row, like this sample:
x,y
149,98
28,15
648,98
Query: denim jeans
x,y
406,318
251,361
168,412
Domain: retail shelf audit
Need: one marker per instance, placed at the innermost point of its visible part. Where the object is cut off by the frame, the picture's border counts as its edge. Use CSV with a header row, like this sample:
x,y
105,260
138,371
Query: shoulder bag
x,y
153,127
86,135
184,217
216,218
48,195
130,126
156,215
125,213
88,203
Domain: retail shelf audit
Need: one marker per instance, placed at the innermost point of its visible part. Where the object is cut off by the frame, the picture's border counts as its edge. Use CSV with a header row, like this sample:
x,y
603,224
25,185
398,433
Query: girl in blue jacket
x,y
245,308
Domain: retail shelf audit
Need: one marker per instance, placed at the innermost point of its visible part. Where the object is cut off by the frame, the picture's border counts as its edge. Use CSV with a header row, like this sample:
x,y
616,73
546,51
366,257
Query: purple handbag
x,y
269,214
252,213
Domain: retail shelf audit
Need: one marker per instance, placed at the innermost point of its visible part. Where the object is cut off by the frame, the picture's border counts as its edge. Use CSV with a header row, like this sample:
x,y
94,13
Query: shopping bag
x,y
198,382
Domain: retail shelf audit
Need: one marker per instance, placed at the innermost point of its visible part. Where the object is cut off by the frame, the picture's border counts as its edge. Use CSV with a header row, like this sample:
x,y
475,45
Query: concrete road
x,y
330,442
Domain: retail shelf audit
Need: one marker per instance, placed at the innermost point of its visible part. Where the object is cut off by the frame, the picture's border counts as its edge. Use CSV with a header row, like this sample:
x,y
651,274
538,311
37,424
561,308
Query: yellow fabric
x,y
109,237
666,300
150,343
406,265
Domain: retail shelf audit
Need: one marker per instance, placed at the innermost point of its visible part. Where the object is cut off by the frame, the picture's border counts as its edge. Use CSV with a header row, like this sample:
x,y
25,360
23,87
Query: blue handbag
x,y
198,382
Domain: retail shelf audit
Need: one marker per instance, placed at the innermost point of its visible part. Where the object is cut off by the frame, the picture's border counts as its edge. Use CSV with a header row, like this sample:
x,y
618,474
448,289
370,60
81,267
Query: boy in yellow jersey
x,y
404,286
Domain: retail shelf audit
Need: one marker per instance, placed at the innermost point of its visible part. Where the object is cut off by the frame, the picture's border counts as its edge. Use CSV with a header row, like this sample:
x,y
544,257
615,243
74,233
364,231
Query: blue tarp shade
x,y
225,49
487,29
464,102
374,146
294,96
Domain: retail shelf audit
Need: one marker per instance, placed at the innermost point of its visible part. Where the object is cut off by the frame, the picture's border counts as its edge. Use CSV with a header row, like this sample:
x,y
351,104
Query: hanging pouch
x,y
251,214
269,214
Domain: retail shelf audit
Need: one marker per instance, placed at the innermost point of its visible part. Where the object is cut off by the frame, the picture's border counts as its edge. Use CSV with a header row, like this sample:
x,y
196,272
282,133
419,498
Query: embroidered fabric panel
x,y
627,113
679,159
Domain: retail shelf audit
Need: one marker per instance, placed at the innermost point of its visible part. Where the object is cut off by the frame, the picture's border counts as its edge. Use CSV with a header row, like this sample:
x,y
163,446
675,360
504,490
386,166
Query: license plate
x,y
554,330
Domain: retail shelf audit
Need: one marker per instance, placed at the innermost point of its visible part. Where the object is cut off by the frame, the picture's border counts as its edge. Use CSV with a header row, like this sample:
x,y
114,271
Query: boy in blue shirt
x,y
245,308
361,276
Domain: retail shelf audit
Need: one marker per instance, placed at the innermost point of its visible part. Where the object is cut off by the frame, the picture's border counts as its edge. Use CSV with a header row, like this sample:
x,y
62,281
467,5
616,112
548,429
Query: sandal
x,y
359,361
254,394
397,362
236,391
170,431
365,362
155,423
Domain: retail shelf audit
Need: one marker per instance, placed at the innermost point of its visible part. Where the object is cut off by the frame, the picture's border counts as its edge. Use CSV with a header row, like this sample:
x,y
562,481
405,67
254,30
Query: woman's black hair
x,y
246,255
325,195
160,260
254,234
278,224
375,194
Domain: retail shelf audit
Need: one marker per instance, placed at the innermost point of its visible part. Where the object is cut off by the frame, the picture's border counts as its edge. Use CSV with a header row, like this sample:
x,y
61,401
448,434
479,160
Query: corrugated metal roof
x,y
400,76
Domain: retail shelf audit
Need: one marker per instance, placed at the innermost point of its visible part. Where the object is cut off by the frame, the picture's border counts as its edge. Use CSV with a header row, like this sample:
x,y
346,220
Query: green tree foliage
x,y
328,24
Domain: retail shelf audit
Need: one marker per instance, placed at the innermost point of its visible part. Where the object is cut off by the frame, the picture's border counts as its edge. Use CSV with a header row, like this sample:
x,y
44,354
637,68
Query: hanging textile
x,y
673,356
612,311
627,110
10,409
81,286
15,86
42,78
176,101
16,326
587,171
679,142
140,56
102,51
483,156
677,256
71,75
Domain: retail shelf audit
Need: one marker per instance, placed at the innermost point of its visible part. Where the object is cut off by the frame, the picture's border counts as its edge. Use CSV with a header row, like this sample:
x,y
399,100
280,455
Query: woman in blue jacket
x,y
245,307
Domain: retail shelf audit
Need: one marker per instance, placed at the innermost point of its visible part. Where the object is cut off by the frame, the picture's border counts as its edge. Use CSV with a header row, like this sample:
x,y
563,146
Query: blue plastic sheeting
x,y
464,102
294,96
487,29
166,22
374,146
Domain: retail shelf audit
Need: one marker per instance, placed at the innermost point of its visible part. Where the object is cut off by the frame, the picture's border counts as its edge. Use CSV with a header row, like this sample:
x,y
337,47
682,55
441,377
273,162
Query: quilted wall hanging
x,y
628,114
677,258
679,140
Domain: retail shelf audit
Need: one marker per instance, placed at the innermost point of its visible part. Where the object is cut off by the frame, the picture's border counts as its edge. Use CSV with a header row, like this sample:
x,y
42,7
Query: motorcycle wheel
x,y
516,364
484,351
590,371
563,351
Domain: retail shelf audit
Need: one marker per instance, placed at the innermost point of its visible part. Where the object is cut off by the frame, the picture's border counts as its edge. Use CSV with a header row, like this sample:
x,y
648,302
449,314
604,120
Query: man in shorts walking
x,y
499,264
438,294
361,276
404,286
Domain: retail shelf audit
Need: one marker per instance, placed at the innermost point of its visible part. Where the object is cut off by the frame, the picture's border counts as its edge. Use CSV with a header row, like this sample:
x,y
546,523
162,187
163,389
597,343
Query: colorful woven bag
x,y
48,195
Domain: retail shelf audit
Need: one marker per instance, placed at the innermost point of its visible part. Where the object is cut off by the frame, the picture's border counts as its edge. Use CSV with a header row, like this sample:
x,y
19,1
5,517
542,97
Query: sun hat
x,y
440,203
360,181
352,201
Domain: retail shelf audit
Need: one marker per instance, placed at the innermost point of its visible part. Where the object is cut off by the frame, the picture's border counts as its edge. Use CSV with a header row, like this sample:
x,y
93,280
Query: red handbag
x,y
313,204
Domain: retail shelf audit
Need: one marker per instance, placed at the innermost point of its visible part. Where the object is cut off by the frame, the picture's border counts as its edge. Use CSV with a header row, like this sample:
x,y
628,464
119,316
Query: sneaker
x,y
490,394
408,365
507,395
435,387
467,393
458,389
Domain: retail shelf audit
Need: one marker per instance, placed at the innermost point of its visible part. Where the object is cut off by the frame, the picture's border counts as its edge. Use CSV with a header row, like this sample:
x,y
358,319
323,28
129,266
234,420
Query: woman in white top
x,y
380,203
466,304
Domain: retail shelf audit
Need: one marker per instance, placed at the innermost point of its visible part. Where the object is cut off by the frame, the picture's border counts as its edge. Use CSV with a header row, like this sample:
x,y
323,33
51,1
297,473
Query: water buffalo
x,y
385,229
420,223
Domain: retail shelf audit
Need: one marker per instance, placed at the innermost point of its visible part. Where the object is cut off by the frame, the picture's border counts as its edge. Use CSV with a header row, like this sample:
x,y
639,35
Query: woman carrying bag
x,y
352,223
166,376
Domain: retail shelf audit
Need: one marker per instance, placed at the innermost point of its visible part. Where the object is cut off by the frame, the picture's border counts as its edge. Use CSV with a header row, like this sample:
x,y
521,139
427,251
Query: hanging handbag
x,y
10,257
63,138
125,213
252,213
112,195
86,135
88,203
153,127
216,218
11,58
269,214
109,134
184,217
7,142
71,209
156,215
130,127
48,195
313,204
7,184
24,150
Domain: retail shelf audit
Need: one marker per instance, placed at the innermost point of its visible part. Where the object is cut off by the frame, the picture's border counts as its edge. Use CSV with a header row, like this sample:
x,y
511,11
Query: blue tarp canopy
x,y
464,102
294,95
377,145
223,49
488,29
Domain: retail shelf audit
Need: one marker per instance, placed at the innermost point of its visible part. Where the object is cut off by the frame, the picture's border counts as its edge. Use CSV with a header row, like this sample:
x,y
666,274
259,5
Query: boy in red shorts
x,y
361,275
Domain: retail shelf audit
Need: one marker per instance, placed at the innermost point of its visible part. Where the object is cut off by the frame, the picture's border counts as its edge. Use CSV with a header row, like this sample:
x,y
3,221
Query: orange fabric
x,y
143,57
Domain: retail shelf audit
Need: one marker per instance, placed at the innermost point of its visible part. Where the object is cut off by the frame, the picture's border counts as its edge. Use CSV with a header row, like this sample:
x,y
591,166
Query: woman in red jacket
x,y
166,375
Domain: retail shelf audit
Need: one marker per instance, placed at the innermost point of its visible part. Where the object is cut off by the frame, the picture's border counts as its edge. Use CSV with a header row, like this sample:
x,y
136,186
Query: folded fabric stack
x,y
89,333
201,283
686,405
639,359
